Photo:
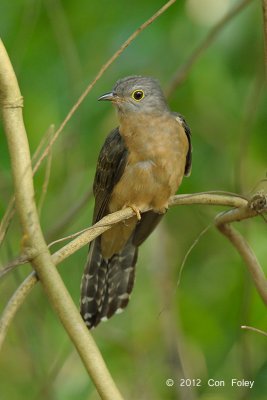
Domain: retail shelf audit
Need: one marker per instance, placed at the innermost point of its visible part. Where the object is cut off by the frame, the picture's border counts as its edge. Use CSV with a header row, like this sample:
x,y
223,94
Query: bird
x,y
141,165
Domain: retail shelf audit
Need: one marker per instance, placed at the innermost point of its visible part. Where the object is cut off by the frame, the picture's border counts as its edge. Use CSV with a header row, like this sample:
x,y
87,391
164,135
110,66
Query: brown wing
x,y
107,283
187,130
110,166
145,226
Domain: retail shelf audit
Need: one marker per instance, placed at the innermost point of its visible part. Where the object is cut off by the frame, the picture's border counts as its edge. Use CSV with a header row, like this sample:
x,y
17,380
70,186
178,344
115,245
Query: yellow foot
x,y
161,210
136,210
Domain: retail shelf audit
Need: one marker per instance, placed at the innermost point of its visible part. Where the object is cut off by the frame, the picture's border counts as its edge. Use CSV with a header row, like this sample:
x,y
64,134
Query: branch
x,y
205,198
11,104
251,328
42,261
249,258
7,218
256,205
20,260
45,184
89,234
70,214
184,70
14,303
111,219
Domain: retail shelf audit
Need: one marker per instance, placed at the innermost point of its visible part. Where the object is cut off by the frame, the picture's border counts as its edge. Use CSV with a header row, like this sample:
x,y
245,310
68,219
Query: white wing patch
x,y
179,120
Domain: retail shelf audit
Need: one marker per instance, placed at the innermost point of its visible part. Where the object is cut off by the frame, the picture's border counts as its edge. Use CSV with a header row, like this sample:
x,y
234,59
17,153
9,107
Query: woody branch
x,y
243,209
11,106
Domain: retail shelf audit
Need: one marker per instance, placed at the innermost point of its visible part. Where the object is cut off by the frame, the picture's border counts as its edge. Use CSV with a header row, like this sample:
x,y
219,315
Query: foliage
x,y
166,331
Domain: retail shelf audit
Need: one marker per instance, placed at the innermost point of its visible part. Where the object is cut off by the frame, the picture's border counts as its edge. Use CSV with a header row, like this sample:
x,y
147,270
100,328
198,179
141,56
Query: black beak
x,y
108,96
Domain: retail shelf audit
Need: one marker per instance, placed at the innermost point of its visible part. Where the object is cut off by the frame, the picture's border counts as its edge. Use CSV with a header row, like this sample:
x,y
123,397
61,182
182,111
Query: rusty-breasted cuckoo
x,y
141,164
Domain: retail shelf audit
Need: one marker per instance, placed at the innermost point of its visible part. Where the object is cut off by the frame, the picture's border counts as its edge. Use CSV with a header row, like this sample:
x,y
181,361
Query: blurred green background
x,y
57,47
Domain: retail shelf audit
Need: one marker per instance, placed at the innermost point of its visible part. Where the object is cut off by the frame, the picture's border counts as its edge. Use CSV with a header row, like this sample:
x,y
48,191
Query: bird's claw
x,y
136,210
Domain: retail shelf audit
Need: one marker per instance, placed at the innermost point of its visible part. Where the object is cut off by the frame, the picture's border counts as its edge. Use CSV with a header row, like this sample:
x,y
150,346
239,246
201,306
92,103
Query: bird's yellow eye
x,y
138,95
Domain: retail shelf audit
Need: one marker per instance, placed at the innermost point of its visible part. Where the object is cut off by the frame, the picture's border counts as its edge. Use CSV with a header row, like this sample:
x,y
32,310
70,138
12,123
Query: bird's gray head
x,y
137,94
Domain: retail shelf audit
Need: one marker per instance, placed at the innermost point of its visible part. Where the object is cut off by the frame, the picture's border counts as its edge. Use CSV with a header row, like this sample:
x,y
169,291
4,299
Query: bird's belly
x,y
146,185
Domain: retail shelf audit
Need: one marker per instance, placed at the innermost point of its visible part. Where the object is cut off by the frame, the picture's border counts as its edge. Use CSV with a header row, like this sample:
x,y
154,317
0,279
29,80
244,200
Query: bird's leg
x,y
136,210
161,210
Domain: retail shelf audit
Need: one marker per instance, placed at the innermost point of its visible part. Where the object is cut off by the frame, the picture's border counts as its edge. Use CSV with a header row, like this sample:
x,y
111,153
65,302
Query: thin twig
x,y
90,233
209,198
175,348
14,303
20,260
46,182
184,199
7,218
72,236
106,223
71,213
98,76
64,38
184,70
195,242
249,116
251,328
43,142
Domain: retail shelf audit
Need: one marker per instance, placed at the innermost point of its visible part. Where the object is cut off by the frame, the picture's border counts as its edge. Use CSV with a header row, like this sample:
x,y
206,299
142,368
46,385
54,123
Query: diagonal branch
x,y
251,328
66,219
87,235
7,218
184,70
249,258
42,262
98,76
11,105
46,183
244,209
256,205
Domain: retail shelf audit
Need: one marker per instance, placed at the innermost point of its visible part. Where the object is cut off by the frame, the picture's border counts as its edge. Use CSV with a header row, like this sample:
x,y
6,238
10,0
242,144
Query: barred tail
x,y
107,283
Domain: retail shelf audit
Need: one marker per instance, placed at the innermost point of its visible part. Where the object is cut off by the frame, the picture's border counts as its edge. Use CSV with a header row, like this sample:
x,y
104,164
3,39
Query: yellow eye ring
x,y
138,94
